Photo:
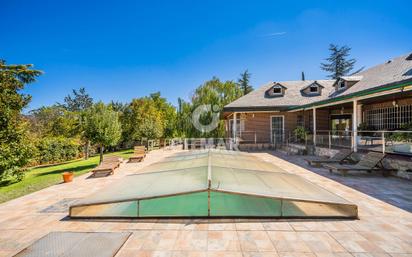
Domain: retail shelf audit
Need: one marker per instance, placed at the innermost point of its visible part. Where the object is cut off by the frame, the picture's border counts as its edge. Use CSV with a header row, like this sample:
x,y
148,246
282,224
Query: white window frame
x,y
283,125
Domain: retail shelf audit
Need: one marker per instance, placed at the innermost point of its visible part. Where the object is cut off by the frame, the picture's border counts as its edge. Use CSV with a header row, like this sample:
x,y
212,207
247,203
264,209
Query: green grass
x,y
42,177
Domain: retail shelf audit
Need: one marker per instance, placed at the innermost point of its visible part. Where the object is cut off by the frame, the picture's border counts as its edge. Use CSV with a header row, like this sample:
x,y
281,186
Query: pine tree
x,y
243,82
338,64
303,76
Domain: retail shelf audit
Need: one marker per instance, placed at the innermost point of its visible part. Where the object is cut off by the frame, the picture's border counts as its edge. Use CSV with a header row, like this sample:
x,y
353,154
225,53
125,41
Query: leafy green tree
x,y
338,63
54,121
79,101
145,119
15,146
102,126
244,82
169,115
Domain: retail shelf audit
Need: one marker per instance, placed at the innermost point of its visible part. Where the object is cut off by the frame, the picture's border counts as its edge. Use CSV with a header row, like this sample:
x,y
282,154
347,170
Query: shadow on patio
x,y
392,190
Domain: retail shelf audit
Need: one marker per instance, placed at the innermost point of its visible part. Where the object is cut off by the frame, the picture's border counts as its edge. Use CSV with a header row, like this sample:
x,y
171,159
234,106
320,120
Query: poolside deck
x,y
384,227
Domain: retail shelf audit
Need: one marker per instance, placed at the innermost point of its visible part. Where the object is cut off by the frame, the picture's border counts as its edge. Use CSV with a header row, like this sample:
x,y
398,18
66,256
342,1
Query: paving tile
x,y
277,226
222,225
383,230
223,241
224,254
320,242
354,242
189,254
248,225
371,255
160,240
137,239
286,241
388,242
333,255
260,254
153,254
252,241
296,254
191,240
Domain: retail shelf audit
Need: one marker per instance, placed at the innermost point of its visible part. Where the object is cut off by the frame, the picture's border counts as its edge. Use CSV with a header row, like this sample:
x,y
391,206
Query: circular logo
x,y
203,109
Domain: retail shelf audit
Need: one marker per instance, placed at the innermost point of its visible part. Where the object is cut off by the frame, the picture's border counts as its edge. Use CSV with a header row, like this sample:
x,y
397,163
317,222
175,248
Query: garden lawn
x,y
42,177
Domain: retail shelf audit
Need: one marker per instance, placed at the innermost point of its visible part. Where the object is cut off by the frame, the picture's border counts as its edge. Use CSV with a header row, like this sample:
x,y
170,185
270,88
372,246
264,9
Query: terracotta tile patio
x,y
382,230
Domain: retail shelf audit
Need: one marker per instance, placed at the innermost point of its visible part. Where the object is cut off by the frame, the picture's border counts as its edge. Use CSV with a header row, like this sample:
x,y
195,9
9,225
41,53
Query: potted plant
x,y
67,176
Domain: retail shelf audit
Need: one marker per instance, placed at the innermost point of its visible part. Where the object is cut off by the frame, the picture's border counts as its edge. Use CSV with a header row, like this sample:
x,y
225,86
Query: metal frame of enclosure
x,y
213,183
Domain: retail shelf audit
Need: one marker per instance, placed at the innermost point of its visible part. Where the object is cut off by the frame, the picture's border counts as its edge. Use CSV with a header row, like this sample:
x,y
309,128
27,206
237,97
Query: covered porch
x,y
378,122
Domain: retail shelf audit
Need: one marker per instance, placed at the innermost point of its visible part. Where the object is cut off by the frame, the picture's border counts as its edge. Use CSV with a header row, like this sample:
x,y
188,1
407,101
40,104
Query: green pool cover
x,y
213,183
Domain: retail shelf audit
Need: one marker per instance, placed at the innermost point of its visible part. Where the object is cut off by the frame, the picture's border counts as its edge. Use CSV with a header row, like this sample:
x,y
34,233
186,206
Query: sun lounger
x,y
340,157
372,161
139,154
108,165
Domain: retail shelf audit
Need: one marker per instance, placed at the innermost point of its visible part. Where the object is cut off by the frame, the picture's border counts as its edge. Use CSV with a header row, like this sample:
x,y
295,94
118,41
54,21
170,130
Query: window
x,y
277,90
313,89
341,84
388,118
300,122
240,125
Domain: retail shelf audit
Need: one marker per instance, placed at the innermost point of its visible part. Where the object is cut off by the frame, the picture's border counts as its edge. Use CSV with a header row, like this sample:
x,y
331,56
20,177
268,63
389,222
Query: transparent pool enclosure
x,y
213,183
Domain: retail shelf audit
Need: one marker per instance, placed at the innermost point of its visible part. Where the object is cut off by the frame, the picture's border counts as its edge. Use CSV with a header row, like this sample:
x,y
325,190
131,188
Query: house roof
x,y
258,99
397,70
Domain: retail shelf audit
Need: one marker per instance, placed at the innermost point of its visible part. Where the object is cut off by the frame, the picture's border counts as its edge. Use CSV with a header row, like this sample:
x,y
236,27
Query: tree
x,y
217,94
338,64
80,101
243,82
102,126
303,76
15,146
169,115
145,119
54,121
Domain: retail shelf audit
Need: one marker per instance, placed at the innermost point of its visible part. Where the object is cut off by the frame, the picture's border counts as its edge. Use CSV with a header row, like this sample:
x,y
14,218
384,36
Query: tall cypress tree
x,y
338,63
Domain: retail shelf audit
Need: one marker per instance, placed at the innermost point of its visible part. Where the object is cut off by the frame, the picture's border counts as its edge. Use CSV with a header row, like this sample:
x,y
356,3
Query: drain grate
x,y
79,244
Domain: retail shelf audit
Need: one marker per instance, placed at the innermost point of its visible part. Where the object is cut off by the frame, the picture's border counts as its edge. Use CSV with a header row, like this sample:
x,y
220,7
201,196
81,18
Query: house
x,y
377,100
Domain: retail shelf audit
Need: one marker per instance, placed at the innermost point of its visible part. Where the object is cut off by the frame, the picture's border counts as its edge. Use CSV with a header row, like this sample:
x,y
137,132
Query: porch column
x,y
314,126
234,126
355,126
360,118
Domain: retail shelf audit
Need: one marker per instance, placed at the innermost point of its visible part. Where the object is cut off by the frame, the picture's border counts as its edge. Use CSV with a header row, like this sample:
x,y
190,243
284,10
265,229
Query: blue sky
x,y
119,50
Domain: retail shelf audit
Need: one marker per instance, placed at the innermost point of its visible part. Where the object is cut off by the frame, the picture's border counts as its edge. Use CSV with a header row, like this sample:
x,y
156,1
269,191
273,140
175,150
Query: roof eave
x,y
257,108
398,84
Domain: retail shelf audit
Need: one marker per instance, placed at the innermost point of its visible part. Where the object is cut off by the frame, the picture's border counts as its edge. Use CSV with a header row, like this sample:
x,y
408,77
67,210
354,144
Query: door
x,y
277,129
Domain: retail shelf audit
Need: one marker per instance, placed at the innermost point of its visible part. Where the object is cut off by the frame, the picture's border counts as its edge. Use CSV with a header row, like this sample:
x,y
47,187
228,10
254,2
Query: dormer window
x,y
342,84
314,89
277,90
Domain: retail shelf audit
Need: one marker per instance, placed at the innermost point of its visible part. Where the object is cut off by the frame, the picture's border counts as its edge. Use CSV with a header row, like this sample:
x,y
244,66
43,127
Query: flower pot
x,y
67,177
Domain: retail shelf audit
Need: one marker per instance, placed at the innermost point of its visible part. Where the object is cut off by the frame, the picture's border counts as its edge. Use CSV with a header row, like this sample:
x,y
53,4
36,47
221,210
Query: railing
x,y
399,142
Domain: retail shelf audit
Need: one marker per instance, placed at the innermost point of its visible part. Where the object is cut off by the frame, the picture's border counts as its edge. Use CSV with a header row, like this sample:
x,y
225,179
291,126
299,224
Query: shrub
x,y
56,149
300,133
